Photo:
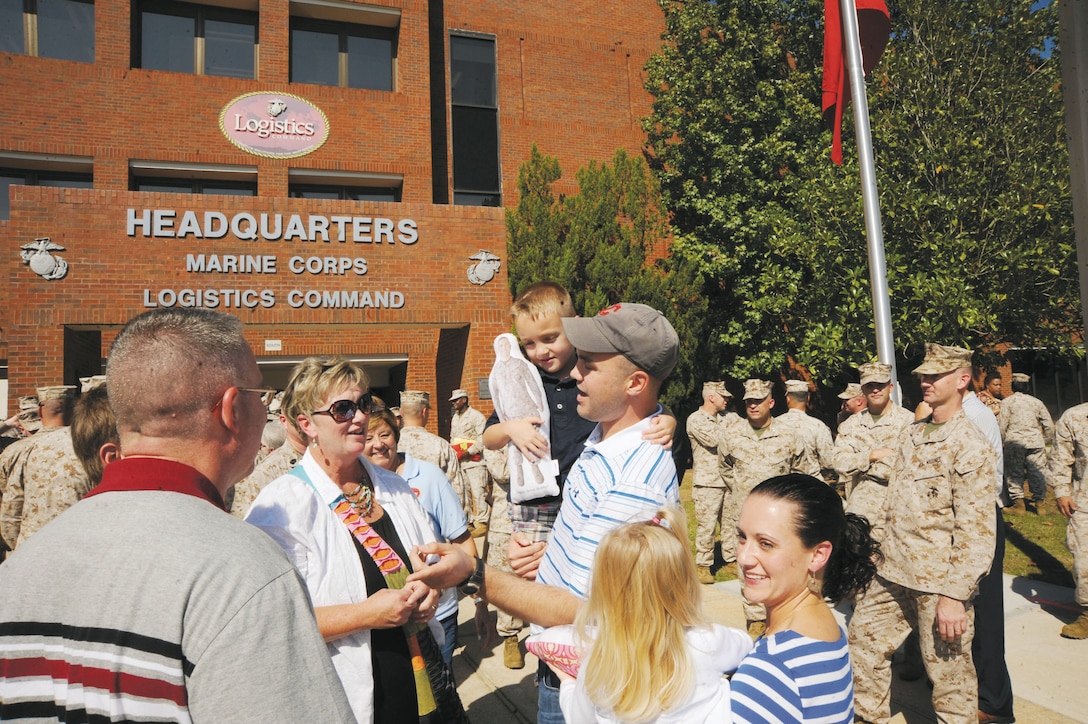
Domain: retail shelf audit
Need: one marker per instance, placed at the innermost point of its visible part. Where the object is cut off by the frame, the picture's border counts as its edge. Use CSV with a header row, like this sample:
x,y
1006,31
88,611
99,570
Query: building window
x,y
351,56
200,39
343,186
193,186
166,177
474,112
61,29
343,193
34,177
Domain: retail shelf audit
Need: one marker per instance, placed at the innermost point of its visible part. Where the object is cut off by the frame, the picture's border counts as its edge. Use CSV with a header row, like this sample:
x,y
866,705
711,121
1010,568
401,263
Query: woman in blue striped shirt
x,y
796,550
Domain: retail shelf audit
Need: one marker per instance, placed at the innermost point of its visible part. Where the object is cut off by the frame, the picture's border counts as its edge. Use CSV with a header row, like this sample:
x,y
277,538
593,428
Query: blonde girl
x,y
649,655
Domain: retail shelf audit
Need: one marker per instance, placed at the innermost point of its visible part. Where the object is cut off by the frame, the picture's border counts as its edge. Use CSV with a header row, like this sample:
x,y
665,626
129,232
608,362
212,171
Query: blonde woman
x,y
650,656
349,527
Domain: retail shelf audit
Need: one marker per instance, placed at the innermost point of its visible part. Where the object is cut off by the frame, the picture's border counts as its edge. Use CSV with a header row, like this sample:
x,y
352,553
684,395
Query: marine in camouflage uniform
x,y
1026,430
55,407
814,434
750,453
498,541
853,402
424,445
52,479
468,424
1068,466
276,464
939,538
861,454
709,492
10,458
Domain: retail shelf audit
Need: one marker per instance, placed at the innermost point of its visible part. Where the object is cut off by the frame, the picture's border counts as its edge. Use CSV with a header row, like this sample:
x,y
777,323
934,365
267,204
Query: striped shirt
x,y
145,602
792,678
614,481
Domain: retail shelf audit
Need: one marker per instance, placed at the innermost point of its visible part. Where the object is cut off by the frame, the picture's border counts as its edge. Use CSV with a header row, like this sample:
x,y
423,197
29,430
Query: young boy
x,y
538,313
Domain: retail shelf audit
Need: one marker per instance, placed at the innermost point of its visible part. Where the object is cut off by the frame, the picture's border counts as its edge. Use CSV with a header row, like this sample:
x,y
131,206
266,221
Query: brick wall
x,y
570,80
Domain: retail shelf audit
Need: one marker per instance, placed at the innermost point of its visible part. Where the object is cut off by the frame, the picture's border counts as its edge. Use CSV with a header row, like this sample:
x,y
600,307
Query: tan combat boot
x,y
705,576
512,657
1078,629
1017,507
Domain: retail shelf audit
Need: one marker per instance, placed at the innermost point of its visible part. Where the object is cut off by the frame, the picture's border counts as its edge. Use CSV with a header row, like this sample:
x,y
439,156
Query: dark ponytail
x,y
820,517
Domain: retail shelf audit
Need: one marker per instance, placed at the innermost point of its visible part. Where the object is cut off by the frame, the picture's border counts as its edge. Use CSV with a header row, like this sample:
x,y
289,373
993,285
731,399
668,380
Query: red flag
x,y
874,28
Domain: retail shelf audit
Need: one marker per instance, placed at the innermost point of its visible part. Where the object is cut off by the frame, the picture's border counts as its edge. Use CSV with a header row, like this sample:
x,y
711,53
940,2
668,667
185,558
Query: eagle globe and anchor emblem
x,y
276,107
485,268
41,262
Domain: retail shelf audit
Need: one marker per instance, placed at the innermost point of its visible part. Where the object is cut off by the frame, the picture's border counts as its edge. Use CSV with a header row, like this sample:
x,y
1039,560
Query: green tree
x,y
971,164
598,244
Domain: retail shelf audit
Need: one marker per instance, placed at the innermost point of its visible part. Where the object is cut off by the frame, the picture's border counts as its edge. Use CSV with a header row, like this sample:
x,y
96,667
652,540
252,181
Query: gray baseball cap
x,y
638,332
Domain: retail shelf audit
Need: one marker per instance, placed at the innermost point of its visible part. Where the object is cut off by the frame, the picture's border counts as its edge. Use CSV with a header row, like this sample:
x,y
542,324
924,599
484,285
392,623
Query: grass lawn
x,y
1034,544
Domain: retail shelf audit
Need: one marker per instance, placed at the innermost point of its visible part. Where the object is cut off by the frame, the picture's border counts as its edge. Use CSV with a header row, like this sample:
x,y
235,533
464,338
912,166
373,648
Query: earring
x,y
814,585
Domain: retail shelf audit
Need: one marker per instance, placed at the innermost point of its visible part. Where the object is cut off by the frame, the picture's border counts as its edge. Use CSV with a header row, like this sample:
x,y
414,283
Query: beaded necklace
x,y
361,499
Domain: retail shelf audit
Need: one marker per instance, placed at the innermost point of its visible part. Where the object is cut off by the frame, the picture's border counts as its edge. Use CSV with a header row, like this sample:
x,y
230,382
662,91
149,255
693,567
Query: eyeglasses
x,y
344,410
267,393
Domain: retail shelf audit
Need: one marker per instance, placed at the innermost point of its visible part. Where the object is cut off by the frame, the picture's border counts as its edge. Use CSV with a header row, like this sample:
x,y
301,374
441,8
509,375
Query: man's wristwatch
x,y
471,585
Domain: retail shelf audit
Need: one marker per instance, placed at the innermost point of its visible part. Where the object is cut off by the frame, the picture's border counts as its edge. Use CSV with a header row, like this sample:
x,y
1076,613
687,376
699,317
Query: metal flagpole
x,y
874,233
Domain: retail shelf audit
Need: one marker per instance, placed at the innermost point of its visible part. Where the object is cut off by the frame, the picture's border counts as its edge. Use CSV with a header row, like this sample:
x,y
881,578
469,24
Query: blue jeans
x,y
449,626
547,702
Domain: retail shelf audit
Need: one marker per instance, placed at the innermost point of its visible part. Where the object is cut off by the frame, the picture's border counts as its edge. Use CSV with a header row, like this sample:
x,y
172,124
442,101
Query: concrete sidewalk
x,y
1049,673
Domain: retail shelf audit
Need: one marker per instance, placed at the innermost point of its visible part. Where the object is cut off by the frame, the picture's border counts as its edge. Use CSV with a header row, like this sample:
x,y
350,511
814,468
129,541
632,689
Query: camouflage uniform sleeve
x,y
1063,459
974,530
725,461
799,462
451,465
11,507
824,446
703,430
1046,422
847,456
1005,416
474,427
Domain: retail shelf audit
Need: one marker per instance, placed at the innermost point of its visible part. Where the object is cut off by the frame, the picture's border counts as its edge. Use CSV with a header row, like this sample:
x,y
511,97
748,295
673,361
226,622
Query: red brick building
x,y
334,173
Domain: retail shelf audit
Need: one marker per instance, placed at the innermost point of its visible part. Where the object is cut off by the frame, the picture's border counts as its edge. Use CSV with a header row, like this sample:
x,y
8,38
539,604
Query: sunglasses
x,y
344,410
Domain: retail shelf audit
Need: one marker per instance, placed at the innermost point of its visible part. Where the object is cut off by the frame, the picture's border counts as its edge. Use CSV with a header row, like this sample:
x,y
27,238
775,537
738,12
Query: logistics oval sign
x,y
274,125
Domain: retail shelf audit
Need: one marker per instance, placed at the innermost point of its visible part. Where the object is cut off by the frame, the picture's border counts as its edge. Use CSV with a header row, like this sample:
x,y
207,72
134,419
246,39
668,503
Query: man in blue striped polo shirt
x,y
624,355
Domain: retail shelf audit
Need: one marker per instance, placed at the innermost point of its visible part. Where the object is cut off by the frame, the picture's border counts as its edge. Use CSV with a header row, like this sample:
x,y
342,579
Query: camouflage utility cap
x,y
852,390
90,383
417,397
458,394
57,392
756,389
716,386
941,358
1021,377
875,372
796,386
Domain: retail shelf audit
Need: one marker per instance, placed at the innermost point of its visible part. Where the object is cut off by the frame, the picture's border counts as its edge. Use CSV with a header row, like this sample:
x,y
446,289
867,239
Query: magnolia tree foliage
x,y
972,168
597,244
